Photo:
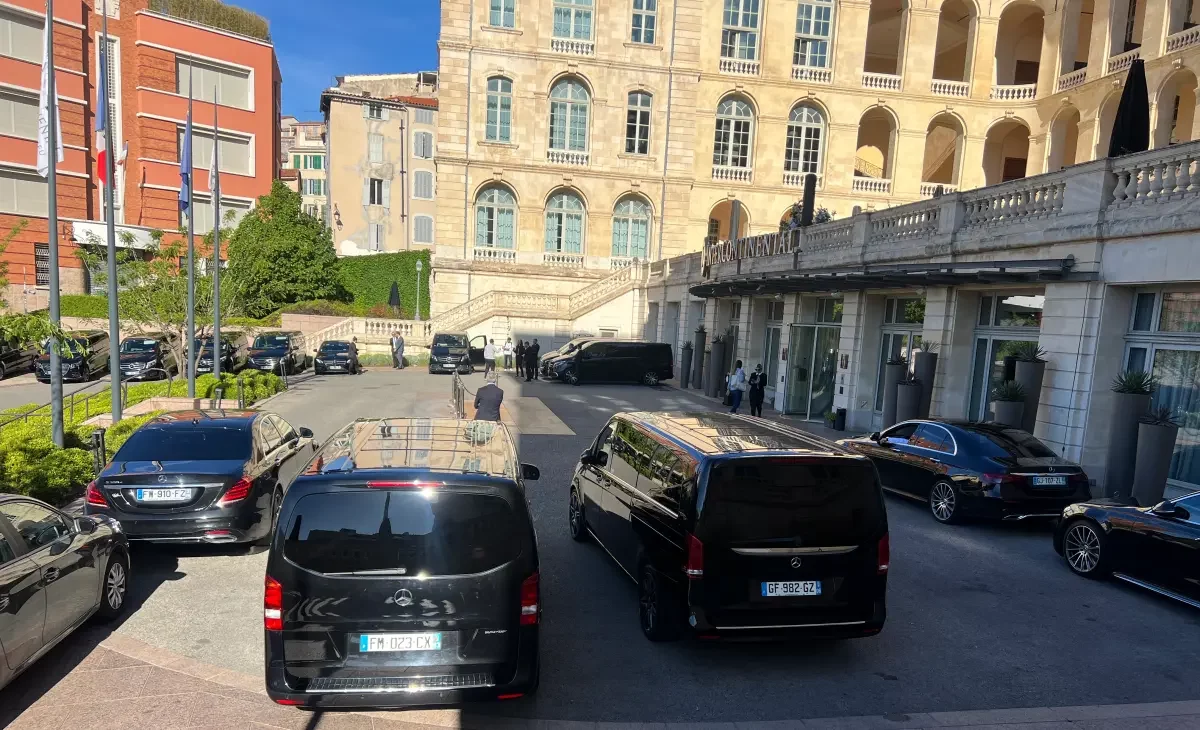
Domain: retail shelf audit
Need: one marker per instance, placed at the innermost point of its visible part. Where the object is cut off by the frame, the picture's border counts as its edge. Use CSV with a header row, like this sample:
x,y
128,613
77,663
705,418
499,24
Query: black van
x,y
404,570
453,352
278,352
86,355
235,352
147,357
612,361
15,359
736,527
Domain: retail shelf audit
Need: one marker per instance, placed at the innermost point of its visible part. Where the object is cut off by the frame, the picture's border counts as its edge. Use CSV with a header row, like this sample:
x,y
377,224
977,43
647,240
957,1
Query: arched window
x,y
499,110
735,127
569,101
631,228
637,124
495,218
805,135
564,224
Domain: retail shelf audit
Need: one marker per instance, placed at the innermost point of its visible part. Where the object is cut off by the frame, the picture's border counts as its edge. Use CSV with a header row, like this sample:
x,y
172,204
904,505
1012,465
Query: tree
x,y
279,255
791,221
24,330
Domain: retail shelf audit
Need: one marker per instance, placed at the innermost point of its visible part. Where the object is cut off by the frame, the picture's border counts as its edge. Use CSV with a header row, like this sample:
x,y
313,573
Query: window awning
x,y
896,276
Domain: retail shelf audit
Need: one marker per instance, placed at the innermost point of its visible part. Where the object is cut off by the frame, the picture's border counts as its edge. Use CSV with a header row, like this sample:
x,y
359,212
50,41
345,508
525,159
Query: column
x,y
1048,62
1154,28
907,161
920,47
970,174
791,311
1101,36
1036,161
745,330
853,17
983,67
841,146
955,330
1070,328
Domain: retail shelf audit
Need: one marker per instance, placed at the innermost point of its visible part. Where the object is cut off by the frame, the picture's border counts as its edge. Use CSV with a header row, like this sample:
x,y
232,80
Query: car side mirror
x,y
531,473
305,432
1167,508
85,525
874,436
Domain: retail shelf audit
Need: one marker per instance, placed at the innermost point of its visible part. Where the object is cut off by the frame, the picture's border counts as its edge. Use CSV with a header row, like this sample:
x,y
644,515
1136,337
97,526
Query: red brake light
x,y
239,491
695,558
995,480
530,610
414,484
273,605
885,554
511,696
289,703
95,497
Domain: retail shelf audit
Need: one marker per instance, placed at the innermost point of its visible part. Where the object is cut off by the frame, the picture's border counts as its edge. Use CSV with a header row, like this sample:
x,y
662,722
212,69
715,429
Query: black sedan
x,y
56,571
336,356
147,357
964,469
201,477
1157,548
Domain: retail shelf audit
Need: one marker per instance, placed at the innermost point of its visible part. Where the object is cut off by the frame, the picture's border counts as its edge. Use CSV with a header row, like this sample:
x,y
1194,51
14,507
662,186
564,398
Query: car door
x,y
923,459
592,477
593,362
22,603
1168,551
475,348
293,450
621,478
888,459
1188,547
273,450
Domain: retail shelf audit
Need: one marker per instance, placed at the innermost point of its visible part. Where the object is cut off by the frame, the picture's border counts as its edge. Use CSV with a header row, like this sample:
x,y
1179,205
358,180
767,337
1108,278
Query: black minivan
x,y
736,527
404,570
85,355
612,361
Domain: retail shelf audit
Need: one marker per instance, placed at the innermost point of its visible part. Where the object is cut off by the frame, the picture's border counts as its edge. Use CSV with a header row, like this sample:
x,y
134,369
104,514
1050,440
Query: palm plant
x,y
1008,391
1138,382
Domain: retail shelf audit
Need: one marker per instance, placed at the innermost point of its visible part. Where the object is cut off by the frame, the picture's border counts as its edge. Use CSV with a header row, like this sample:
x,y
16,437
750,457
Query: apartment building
x,y
303,147
381,175
152,60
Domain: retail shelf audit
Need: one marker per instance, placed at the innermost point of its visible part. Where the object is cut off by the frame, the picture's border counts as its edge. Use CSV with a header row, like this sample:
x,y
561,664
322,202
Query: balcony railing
x,y
563,260
1069,81
928,189
812,75
875,185
566,157
496,255
942,87
1117,64
881,82
866,168
728,173
796,179
573,46
1014,92
1183,39
738,66
621,262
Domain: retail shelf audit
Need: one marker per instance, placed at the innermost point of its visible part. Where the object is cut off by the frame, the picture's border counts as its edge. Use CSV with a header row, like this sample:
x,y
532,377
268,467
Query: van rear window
x,y
411,532
792,501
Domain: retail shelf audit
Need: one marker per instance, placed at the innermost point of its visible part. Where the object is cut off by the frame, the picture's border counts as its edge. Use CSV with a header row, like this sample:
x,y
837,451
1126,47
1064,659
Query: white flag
x,y
43,148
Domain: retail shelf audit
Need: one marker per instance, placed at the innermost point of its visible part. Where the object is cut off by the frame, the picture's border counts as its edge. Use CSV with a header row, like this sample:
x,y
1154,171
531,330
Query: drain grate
x,y
399,684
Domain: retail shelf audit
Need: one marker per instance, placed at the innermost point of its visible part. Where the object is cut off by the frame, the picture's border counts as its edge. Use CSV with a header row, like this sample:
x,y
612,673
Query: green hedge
x,y
216,15
369,280
92,306
380,360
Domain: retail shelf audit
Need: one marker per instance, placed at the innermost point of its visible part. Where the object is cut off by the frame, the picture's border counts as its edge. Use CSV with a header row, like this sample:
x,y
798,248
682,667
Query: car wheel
x,y
650,378
571,377
115,589
3,371
276,501
1084,549
943,503
85,374
575,517
657,612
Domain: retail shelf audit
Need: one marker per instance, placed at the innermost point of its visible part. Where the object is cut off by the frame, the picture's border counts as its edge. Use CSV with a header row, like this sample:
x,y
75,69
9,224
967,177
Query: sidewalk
x,y
817,428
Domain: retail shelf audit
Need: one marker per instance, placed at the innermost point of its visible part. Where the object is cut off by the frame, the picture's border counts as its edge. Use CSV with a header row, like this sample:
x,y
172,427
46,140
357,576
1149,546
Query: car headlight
x,y
319,361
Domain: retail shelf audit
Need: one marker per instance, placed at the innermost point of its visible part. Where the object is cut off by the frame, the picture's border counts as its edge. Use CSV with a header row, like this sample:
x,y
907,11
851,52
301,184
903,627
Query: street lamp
x,y
420,265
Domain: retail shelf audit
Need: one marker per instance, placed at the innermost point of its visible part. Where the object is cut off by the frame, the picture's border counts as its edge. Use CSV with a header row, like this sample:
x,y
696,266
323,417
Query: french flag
x,y
102,123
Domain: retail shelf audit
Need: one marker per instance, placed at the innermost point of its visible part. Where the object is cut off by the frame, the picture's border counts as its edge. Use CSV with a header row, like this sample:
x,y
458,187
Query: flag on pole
x,y
102,116
214,175
185,160
44,101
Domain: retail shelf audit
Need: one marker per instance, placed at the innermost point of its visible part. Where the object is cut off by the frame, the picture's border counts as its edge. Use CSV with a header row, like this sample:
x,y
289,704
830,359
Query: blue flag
x,y
185,165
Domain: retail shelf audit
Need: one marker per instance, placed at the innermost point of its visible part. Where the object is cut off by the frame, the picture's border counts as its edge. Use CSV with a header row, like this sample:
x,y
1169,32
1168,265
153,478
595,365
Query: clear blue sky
x,y
316,40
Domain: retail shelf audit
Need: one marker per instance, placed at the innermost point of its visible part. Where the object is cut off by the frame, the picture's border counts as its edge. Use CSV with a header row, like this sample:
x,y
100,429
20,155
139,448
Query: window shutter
x,y
387,194
383,114
367,191
366,109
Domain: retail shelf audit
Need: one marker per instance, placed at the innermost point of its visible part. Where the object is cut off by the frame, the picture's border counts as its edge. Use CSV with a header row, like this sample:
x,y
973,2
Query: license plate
x,y
792,588
400,642
449,366
163,495
1049,481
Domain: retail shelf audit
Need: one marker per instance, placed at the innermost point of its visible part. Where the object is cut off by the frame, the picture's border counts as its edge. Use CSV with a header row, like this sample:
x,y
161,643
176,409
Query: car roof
x,y
234,419
452,332
718,433
335,342
72,334
422,444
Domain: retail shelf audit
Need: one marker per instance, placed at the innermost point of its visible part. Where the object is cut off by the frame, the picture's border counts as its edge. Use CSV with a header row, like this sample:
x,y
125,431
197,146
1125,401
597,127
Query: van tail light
x,y
530,610
236,493
695,558
410,484
273,605
884,554
95,497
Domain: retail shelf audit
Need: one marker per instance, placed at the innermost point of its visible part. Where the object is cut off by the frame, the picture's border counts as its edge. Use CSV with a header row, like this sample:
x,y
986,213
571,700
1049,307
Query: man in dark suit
x,y
488,399
531,360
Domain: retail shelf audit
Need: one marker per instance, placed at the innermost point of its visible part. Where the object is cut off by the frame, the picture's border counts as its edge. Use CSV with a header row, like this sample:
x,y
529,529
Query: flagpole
x,y
193,352
114,327
56,381
214,187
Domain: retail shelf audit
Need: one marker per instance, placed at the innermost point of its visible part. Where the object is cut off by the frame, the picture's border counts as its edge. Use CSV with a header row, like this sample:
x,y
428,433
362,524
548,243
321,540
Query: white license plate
x,y
163,495
1049,481
400,642
792,588
449,366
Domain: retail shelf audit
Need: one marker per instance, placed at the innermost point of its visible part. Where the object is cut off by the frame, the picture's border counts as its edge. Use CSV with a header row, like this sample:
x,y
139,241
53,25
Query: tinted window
x,y
335,347
630,448
285,429
902,433
604,445
36,524
138,345
271,341
834,502
1014,443
6,551
1191,503
449,341
182,444
270,435
598,349
444,533
655,476
931,437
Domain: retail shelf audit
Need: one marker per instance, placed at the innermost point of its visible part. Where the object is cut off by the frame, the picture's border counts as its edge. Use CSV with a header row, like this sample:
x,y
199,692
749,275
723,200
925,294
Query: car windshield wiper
x,y
377,571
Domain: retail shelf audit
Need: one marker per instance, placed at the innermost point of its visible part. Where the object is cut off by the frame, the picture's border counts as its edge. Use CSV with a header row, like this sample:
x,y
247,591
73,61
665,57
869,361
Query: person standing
x,y
488,399
489,357
737,386
392,348
520,350
531,360
758,390
508,353
398,352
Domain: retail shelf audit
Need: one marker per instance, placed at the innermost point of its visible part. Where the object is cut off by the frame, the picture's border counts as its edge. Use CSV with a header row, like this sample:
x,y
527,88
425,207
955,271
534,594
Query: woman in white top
x,y
737,386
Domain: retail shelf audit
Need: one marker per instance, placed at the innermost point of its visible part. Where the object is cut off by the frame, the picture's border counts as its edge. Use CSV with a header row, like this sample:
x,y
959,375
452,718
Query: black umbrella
x,y
394,297
1131,128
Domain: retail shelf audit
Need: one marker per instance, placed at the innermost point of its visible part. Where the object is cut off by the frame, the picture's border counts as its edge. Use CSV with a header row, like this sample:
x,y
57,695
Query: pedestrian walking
x,y
488,399
531,360
737,386
520,350
758,390
508,353
489,357
398,350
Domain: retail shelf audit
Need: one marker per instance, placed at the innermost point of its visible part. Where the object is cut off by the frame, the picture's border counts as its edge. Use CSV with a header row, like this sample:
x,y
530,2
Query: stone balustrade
x,y
812,75
496,255
1014,92
573,46
1122,61
729,173
882,82
876,185
563,260
1069,81
738,66
1183,39
567,157
796,179
942,87
929,189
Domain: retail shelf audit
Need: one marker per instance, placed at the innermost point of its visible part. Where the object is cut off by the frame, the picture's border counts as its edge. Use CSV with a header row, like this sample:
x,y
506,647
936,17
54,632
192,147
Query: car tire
x,y
658,608
3,371
1085,549
575,521
944,503
276,503
650,378
114,590
571,377
85,374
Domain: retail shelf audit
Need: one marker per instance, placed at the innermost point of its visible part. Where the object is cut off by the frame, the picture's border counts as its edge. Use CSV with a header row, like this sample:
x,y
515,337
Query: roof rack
x,y
435,444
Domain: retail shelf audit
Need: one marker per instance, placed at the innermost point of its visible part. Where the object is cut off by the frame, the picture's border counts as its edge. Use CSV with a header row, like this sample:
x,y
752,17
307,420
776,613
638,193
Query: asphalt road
x,y
18,390
980,616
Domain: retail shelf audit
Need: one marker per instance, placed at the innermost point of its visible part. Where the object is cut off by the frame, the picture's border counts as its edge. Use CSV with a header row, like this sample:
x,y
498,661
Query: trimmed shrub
x,y
369,280
83,305
217,15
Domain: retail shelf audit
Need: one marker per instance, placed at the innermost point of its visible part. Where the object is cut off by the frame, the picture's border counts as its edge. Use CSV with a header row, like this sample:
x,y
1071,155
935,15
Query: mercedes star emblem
x,y
162,478
795,562
403,597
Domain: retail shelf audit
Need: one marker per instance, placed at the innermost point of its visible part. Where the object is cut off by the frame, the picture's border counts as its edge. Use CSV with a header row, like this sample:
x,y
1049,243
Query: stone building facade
x,y
303,149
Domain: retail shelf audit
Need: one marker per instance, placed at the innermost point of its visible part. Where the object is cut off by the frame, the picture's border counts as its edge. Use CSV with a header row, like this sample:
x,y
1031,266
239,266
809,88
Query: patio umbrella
x,y
394,298
1131,128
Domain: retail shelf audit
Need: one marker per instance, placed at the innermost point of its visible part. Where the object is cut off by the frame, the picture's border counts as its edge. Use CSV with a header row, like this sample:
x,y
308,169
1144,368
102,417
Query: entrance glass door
x,y
824,371
812,370
987,371
771,348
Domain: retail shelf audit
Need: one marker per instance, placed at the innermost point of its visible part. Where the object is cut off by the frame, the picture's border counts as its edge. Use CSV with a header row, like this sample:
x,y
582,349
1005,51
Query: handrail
x,y
69,403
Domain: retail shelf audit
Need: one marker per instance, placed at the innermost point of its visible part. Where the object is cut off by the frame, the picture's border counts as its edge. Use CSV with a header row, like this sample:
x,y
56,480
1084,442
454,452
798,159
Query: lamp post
x,y
420,265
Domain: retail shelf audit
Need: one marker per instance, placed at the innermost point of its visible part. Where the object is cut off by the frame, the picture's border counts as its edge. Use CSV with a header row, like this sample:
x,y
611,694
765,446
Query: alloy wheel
x,y
942,502
649,600
114,585
1082,548
650,378
573,513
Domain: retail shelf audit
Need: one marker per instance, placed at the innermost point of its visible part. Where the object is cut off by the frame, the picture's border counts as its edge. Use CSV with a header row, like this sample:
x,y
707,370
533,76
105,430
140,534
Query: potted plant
x,y
1155,446
893,373
685,363
1008,403
1132,390
698,362
1030,369
830,419
716,360
909,392
925,369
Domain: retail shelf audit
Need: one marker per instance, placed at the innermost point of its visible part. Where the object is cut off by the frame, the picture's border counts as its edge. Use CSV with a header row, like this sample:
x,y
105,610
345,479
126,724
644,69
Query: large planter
x,y
1122,442
712,382
892,375
1029,375
1008,413
908,400
685,366
925,369
698,362
1155,445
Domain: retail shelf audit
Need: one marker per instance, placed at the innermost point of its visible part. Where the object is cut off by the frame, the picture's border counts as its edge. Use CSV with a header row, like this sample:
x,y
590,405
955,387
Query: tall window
x,y
232,85
569,116
422,229
495,218
377,192
564,224
314,186
645,21
235,151
113,86
19,115
23,193
806,129
375,236
373,110
1130,24
814,21
374,147
21,36
735,125
423,185
631,228
423,116
637,124
739,29
499,110
423,145
573,19
503,14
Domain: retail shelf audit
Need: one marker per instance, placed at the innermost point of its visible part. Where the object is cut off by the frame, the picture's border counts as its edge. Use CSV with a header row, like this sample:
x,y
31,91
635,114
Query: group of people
x,y
526,357
755,386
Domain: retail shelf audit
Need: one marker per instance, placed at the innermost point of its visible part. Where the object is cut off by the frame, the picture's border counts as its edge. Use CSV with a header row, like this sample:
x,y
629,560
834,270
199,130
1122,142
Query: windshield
x,y
138,345
266,342
185,444
1015,443
335,347
450,341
